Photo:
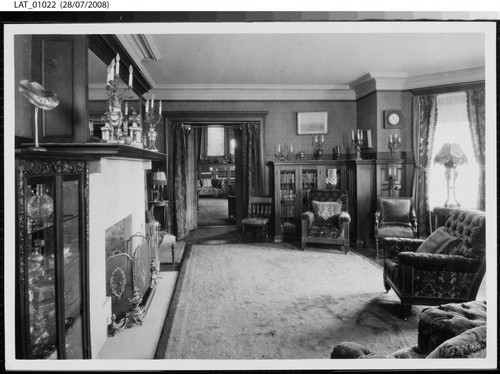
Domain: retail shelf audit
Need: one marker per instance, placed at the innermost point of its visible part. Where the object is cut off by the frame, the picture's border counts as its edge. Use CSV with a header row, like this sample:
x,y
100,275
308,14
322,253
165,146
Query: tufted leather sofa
x,y
446,267
446,331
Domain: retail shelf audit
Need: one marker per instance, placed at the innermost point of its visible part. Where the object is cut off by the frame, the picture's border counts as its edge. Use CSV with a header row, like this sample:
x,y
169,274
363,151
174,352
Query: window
x,y
453,127
215,141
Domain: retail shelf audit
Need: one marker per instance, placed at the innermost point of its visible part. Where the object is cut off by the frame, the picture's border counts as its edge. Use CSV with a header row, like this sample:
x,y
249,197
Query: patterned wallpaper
x,y
400,100
281,121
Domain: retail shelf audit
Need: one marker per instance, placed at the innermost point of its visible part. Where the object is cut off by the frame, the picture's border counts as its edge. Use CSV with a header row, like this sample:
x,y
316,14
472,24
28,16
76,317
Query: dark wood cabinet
x,y
362,203
52,317
59,64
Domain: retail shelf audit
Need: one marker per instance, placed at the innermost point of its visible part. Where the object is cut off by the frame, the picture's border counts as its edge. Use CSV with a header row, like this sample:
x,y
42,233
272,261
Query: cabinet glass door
x,y
73,317
287,198
309,182
41,278
333,179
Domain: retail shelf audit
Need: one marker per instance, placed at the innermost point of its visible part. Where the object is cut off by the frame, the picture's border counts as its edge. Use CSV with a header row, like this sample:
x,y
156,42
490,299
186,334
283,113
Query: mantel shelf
x,y
95,150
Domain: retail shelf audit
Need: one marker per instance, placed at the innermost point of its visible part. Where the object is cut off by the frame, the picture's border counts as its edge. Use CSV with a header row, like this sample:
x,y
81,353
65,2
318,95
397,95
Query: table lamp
x,y
451,155
159,180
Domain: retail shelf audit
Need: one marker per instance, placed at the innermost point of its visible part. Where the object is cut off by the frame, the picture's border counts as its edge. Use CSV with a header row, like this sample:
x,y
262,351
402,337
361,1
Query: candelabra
x,y
392,177
357,141
318,146
113,118
283,153
152,119
394,142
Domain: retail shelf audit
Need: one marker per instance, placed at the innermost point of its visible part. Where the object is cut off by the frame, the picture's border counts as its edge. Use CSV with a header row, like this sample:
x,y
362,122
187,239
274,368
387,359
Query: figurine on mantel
x,y
41,99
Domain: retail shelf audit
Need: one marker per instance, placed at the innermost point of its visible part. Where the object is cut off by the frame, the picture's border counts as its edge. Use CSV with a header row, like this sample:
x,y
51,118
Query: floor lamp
x,y
451,155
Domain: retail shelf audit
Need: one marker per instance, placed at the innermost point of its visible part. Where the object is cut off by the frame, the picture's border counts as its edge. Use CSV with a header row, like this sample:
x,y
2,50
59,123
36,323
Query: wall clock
x,y
393,119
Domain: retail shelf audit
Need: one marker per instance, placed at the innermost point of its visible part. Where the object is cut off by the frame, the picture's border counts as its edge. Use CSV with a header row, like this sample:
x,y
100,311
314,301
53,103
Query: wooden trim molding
x,y
106,47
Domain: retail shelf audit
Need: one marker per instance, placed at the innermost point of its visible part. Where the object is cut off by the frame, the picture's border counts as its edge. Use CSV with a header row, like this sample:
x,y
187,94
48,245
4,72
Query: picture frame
x,y
312,123
367,139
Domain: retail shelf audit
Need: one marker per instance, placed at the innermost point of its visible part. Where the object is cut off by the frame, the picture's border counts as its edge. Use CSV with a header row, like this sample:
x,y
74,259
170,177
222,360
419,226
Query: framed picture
x,y
312,123
367,139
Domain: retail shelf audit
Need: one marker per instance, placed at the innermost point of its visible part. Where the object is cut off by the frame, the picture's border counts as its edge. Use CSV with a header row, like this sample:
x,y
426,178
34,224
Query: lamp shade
x,y
159,178
450,155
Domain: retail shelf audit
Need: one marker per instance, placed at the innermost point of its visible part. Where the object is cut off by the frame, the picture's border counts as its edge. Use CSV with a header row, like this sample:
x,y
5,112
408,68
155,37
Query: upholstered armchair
x,y
395,217
327,220
446,267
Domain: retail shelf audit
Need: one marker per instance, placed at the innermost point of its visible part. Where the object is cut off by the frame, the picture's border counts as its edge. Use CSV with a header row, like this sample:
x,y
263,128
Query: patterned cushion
x,y
470,343
324,211
440,241
325,231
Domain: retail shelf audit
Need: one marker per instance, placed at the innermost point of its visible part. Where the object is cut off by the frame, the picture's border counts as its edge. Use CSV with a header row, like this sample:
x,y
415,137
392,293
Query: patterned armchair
x,y
447,267
327,220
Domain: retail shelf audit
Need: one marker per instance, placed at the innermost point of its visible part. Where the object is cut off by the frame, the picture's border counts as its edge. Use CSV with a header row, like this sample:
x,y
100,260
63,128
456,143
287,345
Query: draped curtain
x,y
476,115
251,160
424,126
180,163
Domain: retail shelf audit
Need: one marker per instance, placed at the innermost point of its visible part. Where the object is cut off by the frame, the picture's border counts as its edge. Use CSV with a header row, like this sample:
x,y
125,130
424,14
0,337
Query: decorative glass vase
x,y
40,206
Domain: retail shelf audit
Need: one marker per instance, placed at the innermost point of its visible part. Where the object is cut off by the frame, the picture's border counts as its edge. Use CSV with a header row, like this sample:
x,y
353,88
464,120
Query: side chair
x,y
259,216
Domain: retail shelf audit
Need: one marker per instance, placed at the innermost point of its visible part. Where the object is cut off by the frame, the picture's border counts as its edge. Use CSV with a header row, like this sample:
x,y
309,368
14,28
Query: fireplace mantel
x,y
99,150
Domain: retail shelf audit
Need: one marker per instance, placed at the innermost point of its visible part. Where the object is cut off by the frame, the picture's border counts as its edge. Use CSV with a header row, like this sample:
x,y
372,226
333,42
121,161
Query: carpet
x,y
213,212
251,301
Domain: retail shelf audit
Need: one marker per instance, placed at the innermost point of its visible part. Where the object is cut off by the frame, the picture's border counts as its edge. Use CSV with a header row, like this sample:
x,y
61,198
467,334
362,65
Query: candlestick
x,y
126,108
130,75
159,108
147,105
318,147
283,155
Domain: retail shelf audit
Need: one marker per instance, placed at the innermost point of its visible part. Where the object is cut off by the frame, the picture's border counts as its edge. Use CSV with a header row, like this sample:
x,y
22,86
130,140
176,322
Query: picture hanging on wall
x,y
312,123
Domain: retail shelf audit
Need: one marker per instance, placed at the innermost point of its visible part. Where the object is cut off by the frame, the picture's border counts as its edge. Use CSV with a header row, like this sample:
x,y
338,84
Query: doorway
x,y
217,174
183,160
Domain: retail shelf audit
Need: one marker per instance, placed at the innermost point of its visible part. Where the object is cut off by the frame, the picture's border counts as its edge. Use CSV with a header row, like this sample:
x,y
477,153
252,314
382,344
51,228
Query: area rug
x,y
254,301
213,212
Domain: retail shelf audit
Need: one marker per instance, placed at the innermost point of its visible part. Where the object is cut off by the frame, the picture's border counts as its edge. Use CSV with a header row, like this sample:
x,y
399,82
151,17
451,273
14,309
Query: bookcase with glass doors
x,y
293,182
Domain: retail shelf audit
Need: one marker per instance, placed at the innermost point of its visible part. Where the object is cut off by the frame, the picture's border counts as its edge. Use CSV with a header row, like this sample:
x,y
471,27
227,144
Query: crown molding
x,y
140,47
364,85
446,78
372,82
253,92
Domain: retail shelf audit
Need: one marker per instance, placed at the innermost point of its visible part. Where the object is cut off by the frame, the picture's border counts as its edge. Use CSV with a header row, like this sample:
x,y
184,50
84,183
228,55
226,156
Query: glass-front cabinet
x,y
52,289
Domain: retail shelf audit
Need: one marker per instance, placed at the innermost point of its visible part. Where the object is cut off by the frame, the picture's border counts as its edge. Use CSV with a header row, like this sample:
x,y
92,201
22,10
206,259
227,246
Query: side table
x,y
164,205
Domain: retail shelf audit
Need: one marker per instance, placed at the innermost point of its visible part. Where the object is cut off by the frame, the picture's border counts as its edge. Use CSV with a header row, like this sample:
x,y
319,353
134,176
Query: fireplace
x,y
117,211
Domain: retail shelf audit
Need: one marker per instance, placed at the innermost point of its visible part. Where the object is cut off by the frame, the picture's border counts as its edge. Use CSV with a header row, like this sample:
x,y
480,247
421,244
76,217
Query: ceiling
x,y
295,60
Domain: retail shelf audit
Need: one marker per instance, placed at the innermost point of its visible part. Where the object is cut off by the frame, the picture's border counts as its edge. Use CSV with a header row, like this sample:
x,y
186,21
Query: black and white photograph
x,y
250,191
